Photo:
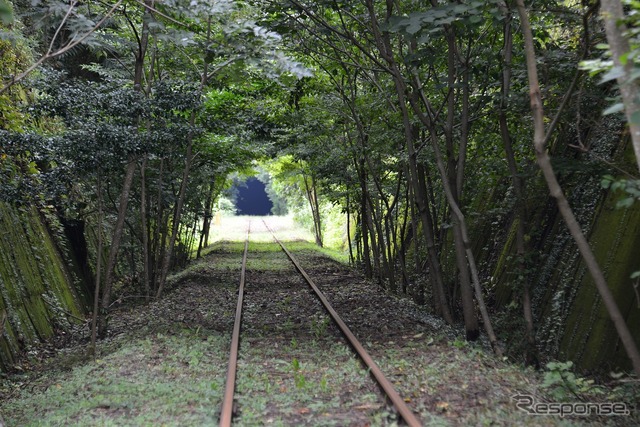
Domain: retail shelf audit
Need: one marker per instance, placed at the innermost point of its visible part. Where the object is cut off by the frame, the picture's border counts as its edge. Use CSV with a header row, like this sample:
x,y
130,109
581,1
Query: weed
x,y
323,384
284,305
563,384
288,325
626,390
298,377
319,328
458,343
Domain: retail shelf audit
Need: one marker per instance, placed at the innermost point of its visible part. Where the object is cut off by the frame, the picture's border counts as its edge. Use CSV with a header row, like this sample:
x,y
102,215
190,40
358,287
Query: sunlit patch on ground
x,y
234,228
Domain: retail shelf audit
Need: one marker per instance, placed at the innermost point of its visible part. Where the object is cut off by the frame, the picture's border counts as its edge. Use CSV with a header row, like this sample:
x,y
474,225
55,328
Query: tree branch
x,y
49,55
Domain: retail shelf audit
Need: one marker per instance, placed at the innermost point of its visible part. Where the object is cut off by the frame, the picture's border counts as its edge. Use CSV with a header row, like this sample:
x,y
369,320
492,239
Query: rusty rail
x,y
226,413
400,405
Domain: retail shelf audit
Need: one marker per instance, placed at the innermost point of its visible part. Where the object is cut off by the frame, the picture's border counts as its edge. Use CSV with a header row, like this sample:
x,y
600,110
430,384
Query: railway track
x,y
228,409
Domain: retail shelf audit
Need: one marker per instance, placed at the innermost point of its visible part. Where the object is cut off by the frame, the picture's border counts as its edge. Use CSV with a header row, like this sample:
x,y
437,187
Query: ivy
x,y
629,187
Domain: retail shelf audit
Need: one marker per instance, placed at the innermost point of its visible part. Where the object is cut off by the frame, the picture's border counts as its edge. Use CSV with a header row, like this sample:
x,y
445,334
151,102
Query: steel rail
x,y
399,403
226,412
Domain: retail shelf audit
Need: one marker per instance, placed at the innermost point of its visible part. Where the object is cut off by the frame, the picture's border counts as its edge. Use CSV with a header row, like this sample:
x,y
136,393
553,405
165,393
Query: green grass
x,y
268,264
165,379
301,246
316,384
264,247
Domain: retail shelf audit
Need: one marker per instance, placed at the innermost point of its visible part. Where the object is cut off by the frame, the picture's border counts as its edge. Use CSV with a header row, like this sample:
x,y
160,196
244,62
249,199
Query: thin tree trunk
x,y
96,296
531,352
144,199
115,245
383,232
475,278
364,228
472,330
381,251
128,181
373,241
145,231
401,252
563,206
312,198
457,178
157,245
433,259
177,213
401,91
316,203
414,230
206,221
351,260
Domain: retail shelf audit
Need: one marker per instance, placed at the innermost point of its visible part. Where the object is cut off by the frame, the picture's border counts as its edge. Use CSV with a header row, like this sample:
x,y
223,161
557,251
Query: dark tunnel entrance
x,y
252,198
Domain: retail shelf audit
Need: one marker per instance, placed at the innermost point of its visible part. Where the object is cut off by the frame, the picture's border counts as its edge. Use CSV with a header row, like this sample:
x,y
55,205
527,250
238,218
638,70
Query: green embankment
x,y
572,323
37,294
590,338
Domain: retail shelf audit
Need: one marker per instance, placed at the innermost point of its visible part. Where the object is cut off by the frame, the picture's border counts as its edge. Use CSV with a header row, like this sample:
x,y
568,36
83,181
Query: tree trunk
x,y
177,213
531,352
417,180
312,198
128,181
96,296
373,242
206,221
351,260
472,330
364,228
401,91
159,231
145,230
115,245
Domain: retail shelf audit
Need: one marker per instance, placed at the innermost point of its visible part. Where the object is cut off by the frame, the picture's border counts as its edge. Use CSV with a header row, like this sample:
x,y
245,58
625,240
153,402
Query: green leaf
x,y
6,12
634,74
625,203
635,275
460,8
613,74
395,24
624,58
615,108
414,26
607,180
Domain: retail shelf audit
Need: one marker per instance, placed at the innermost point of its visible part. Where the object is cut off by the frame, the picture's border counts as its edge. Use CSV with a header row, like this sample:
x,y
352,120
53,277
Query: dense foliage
x,y
410,122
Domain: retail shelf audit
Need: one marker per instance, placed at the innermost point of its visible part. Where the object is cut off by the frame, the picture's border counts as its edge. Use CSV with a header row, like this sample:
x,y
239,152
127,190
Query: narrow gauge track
x,y
227,409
